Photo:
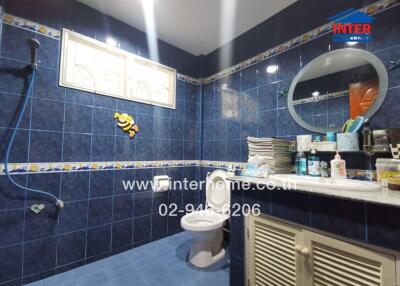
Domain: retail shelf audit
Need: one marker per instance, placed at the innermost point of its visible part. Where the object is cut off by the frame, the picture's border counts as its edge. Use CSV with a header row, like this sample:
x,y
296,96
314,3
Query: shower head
x,y
34,43
34,47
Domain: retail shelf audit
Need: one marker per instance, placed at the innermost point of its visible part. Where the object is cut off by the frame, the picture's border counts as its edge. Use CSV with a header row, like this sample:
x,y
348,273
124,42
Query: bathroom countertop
x,y
384,197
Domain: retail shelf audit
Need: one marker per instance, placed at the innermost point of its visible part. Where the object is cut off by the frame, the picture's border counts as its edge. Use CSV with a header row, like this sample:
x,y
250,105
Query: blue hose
x,y
59,203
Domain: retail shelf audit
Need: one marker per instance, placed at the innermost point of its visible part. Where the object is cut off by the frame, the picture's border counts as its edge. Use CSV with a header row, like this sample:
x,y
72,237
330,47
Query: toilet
x,y
206,225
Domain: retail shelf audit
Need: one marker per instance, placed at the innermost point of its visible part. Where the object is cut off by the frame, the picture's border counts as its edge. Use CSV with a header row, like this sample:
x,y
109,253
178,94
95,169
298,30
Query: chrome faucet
x,y
323,169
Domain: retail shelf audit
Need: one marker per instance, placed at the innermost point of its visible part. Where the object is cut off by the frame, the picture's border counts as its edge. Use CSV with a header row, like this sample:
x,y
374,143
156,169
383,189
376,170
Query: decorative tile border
x,y
321,97
56,34
65,167
60,167
221,164
32,26
308,36
188,79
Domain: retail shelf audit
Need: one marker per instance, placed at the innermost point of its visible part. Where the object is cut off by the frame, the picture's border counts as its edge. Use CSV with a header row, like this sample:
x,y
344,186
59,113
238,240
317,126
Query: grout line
x,y
26,182
60,180
113,181
89,184
366,221
309,209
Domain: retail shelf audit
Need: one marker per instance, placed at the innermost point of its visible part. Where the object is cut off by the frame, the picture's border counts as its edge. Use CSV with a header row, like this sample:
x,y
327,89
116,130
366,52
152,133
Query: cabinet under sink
x,y
282,254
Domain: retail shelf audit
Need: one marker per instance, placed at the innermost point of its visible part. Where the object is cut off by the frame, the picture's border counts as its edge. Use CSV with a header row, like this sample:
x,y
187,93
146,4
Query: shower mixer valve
x,y
60,204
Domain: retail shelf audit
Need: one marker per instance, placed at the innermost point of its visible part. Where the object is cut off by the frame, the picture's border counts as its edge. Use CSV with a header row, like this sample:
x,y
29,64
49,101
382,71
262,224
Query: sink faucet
x,y
323,168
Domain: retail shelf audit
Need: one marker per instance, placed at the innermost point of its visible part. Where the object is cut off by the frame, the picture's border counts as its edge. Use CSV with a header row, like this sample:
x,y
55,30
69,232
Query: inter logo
x,y
351,26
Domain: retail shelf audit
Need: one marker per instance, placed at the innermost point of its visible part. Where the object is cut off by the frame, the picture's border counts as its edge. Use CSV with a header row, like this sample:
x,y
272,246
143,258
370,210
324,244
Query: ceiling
x,y
194,25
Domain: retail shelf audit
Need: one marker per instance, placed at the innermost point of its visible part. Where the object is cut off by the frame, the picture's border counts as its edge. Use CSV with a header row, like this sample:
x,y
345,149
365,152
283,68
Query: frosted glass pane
x,y
81,65
91,65
111,73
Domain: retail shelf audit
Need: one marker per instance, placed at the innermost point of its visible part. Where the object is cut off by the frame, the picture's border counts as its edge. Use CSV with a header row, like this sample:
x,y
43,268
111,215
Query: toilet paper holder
x,y
161,183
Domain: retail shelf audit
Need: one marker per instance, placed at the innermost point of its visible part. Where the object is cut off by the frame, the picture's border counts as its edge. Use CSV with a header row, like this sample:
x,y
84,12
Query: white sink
x,y
295,181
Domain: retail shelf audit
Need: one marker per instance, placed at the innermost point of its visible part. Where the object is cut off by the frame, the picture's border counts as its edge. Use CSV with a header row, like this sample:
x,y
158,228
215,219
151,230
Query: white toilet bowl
x,y
206,225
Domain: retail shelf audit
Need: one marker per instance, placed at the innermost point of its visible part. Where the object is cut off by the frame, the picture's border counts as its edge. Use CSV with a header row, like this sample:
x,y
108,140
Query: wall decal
x,y
127,123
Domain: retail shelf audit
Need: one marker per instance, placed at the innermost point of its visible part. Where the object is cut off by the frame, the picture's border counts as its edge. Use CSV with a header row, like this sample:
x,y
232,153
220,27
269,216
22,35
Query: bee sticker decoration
x,y
126,123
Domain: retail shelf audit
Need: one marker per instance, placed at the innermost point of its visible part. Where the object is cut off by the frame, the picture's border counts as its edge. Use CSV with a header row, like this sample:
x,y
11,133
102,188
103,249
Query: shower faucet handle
x,y
34,43
60,204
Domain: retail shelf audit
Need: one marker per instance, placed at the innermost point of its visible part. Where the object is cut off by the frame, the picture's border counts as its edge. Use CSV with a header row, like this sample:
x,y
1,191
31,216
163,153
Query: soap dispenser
x,y
338,167
313,164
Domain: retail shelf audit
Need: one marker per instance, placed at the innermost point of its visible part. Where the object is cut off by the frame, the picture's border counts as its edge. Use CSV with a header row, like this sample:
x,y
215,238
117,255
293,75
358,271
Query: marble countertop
x,y
384,197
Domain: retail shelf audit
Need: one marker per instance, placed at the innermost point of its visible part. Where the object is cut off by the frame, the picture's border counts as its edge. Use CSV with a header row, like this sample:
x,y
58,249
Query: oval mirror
x,y
335,87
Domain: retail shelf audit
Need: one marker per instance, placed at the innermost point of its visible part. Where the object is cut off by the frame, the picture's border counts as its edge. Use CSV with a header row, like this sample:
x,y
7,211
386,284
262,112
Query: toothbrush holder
x,y
347,142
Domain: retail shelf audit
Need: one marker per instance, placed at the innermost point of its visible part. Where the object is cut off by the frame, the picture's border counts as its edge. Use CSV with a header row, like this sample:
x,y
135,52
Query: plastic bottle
x,y
301,164
338,167
367,139
313,165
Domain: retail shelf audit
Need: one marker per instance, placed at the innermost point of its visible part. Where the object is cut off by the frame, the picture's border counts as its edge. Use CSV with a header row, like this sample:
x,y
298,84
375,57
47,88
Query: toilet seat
x,y
218,193
204,220
218,199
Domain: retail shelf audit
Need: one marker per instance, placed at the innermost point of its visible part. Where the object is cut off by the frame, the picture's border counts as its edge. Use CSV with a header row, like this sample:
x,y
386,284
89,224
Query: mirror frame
x,y
371,58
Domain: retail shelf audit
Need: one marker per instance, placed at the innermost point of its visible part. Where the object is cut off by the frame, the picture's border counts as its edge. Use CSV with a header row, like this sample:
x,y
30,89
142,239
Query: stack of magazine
x,y
273,152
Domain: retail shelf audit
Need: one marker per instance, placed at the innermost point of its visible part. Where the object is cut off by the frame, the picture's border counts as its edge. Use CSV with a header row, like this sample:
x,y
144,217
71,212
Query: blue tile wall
x,y
248,103
332,113
100,218
285,25
341,217
237,272
236,243
11,268
210,122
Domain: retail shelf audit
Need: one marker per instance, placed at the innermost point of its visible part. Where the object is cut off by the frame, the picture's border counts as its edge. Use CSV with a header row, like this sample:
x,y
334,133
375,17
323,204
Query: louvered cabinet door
x,y
332,262
272,259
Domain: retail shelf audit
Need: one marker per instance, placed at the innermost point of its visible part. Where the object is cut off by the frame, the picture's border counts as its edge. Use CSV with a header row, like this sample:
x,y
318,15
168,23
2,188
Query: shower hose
x,y
58,202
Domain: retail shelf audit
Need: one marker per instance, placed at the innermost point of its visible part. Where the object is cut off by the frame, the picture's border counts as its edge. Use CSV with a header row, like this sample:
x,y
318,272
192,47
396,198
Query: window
x,y
90,65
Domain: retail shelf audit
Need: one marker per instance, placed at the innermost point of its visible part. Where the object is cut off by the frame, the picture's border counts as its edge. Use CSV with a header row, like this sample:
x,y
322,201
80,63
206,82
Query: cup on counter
x,y
304,143
330,136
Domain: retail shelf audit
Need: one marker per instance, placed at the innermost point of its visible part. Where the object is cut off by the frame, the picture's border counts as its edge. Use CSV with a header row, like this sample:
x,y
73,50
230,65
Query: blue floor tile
x,y
160,263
